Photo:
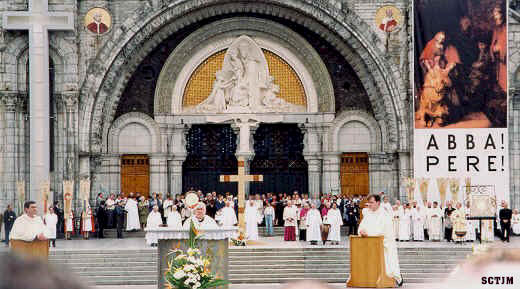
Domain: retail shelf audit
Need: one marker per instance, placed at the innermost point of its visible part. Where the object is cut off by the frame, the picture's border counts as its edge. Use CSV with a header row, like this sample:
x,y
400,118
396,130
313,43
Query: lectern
x,y
36,249
367,263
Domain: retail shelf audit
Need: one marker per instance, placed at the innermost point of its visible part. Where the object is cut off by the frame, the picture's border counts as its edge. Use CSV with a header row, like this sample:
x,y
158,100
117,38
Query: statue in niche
x,y
244,84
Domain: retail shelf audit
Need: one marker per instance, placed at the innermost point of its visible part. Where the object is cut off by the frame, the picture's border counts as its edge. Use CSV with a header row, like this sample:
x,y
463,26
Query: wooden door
x,y
354,174
135,174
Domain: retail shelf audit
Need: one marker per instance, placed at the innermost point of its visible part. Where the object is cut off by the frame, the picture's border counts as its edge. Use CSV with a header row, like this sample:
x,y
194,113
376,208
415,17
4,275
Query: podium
x,y
32,250
367,263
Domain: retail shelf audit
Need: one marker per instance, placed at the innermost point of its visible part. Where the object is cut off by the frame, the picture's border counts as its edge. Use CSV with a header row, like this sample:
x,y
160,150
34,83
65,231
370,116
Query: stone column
x,y
70,104
245,129
331,167
9,101
178,150
404,171
313,155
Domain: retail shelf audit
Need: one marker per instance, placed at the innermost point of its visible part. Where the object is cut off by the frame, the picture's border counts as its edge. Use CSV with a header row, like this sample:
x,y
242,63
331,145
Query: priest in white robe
x,y
435,219
386,204
228,217
458,218
132,217
87,222
418,224
174,220
515,222
314,222
69,225
335,220
471,225
153,221
200,219
378,222
290,217
29,227
251,218
405,220
395,218
51,220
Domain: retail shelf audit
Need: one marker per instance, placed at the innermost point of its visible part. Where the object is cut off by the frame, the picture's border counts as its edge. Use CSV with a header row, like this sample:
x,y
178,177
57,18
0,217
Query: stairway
x,y
109,267
262,265
418,265
278,231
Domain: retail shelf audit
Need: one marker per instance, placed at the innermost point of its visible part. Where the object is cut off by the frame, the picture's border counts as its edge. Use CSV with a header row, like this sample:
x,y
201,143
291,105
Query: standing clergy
x,y
505,214
435,226
132,217
51,220
378,222
69,226
174,219
515,222
290,217
87,222
9,218
395,220
418,224
471,225
153,221
335,220
404,223
458,218
303,223
228,217
313,222
251,218
29,227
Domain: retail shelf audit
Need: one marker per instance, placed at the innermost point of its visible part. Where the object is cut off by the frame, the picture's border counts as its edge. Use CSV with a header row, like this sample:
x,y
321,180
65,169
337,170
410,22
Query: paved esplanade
x,y
38,20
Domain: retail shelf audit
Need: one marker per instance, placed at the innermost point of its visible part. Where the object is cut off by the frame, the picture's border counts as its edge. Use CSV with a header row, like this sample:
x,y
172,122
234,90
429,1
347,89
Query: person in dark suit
x,y
9,218
101,217
505,214
120,219
61,220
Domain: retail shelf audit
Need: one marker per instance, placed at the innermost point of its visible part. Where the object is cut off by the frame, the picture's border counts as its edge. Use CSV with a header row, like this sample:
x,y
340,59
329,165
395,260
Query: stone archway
x,y
100,94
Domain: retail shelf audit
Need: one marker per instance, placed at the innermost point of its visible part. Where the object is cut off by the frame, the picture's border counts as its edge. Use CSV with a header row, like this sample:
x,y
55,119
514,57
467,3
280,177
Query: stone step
x,y
333,261
152,273
104,269
103,260
106,264
325,279
121,282
111,252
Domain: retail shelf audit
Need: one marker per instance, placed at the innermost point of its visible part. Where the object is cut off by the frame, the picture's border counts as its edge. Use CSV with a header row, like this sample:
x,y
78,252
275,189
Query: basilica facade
x,y
165,96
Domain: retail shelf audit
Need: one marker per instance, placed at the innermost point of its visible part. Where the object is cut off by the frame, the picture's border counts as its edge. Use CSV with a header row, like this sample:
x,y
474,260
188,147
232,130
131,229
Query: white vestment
x,y
379,223
435,227
418,225
471,226
27,229
132,217
206,223
69,223
228,217
487,234
335,220
313,220
168,207
152,222
174,220
290,217
395,220
251,218
404,225
515,224
87,221
387,207
50,223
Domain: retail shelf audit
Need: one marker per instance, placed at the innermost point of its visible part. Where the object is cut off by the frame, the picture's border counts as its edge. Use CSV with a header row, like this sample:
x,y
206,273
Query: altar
x,y
214,243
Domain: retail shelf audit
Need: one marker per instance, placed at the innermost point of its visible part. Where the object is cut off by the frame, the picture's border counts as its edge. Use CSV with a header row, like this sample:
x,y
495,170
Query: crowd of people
x,y
315,221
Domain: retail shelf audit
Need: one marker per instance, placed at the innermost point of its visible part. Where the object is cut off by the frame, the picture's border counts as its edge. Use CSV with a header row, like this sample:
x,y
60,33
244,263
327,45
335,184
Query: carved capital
x,y
70,99
9,100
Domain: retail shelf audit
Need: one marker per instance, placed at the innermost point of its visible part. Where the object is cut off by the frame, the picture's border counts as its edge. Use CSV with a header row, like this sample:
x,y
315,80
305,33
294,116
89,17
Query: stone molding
x,y
128,118
10,100
378,139
282,41
138,35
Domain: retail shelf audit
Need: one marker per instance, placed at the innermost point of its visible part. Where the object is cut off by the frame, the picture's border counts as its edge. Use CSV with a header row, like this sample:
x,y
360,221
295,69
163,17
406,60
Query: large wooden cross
x,y
242,179
38,20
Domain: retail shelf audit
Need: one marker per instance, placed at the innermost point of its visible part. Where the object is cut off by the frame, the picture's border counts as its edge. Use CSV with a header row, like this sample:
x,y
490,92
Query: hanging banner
x,y
45,190
460,98
68,193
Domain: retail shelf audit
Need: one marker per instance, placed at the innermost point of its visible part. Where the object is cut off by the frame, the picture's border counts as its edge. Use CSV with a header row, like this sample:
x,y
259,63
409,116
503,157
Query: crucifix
x,y
38,20
241,179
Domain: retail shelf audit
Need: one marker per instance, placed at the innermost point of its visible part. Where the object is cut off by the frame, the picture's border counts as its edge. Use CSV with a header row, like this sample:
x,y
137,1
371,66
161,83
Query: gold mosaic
x,y
201,81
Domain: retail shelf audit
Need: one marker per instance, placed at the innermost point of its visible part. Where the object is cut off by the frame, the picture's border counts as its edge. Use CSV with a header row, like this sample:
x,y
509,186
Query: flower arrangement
x,y
239,241
191,270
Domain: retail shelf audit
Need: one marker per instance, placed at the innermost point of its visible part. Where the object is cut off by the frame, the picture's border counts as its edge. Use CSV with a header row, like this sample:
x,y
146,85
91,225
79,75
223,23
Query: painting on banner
x,y
460,98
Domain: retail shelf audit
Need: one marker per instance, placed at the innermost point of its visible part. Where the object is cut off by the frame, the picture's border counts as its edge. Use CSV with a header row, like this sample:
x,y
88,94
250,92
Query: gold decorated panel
x,y
200,84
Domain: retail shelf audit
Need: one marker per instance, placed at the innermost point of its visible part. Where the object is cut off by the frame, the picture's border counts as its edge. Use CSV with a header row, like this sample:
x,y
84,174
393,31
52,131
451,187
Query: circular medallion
x,y
388,18
98,21
191,200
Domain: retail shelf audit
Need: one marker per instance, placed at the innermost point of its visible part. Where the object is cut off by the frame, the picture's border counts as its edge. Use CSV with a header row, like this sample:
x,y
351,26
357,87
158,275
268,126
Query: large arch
x,y
108,74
